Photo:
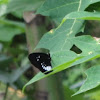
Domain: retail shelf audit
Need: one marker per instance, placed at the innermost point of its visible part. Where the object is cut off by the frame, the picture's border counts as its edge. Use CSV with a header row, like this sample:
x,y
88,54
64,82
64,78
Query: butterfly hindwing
x,y
41,60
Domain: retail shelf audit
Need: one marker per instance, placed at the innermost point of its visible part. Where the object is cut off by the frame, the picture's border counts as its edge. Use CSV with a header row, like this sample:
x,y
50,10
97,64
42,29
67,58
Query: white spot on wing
x,y
37,59
47,68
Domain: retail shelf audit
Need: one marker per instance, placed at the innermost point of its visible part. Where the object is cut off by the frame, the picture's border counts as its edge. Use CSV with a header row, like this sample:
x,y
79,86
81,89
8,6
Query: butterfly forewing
x,y
41,60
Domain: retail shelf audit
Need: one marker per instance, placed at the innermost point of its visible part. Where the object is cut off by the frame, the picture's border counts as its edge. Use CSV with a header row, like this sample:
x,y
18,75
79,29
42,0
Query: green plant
x,y
69,18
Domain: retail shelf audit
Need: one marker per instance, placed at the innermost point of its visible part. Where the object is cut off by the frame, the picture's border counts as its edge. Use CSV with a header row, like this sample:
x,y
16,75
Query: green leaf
x,y
85,43
57,9
63,37
64,34
92,81
8,29
7,33
23,5
60,40
77,60
83,15
14,23
61,57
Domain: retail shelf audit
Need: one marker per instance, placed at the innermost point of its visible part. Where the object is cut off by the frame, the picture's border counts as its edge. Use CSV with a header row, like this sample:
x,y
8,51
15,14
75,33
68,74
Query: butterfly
x,y
42,61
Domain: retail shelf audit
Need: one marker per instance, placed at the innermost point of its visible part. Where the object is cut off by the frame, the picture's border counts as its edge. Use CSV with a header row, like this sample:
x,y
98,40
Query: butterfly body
x,y
41,61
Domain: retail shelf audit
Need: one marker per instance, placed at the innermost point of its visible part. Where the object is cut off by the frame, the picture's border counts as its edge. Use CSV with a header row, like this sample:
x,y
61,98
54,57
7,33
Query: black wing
x,y
41,60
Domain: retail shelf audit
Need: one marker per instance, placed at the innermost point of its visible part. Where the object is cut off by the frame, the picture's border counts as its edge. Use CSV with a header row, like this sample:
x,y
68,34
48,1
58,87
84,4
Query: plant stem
x,y
48,88
6,91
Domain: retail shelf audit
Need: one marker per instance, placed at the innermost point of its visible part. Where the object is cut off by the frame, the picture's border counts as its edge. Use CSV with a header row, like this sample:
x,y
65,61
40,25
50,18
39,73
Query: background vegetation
x,y
69,30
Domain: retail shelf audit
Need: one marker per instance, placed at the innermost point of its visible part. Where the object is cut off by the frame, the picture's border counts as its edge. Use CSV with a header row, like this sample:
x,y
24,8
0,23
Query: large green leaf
x,y
92,81
60,40
65,32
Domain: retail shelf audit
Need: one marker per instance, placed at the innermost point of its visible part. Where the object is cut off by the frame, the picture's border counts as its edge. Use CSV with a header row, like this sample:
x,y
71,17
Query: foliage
x,y
69,16
92,73
64,36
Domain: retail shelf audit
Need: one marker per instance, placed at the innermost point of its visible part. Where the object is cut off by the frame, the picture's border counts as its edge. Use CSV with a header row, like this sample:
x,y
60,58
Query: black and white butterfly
x,y
41,61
